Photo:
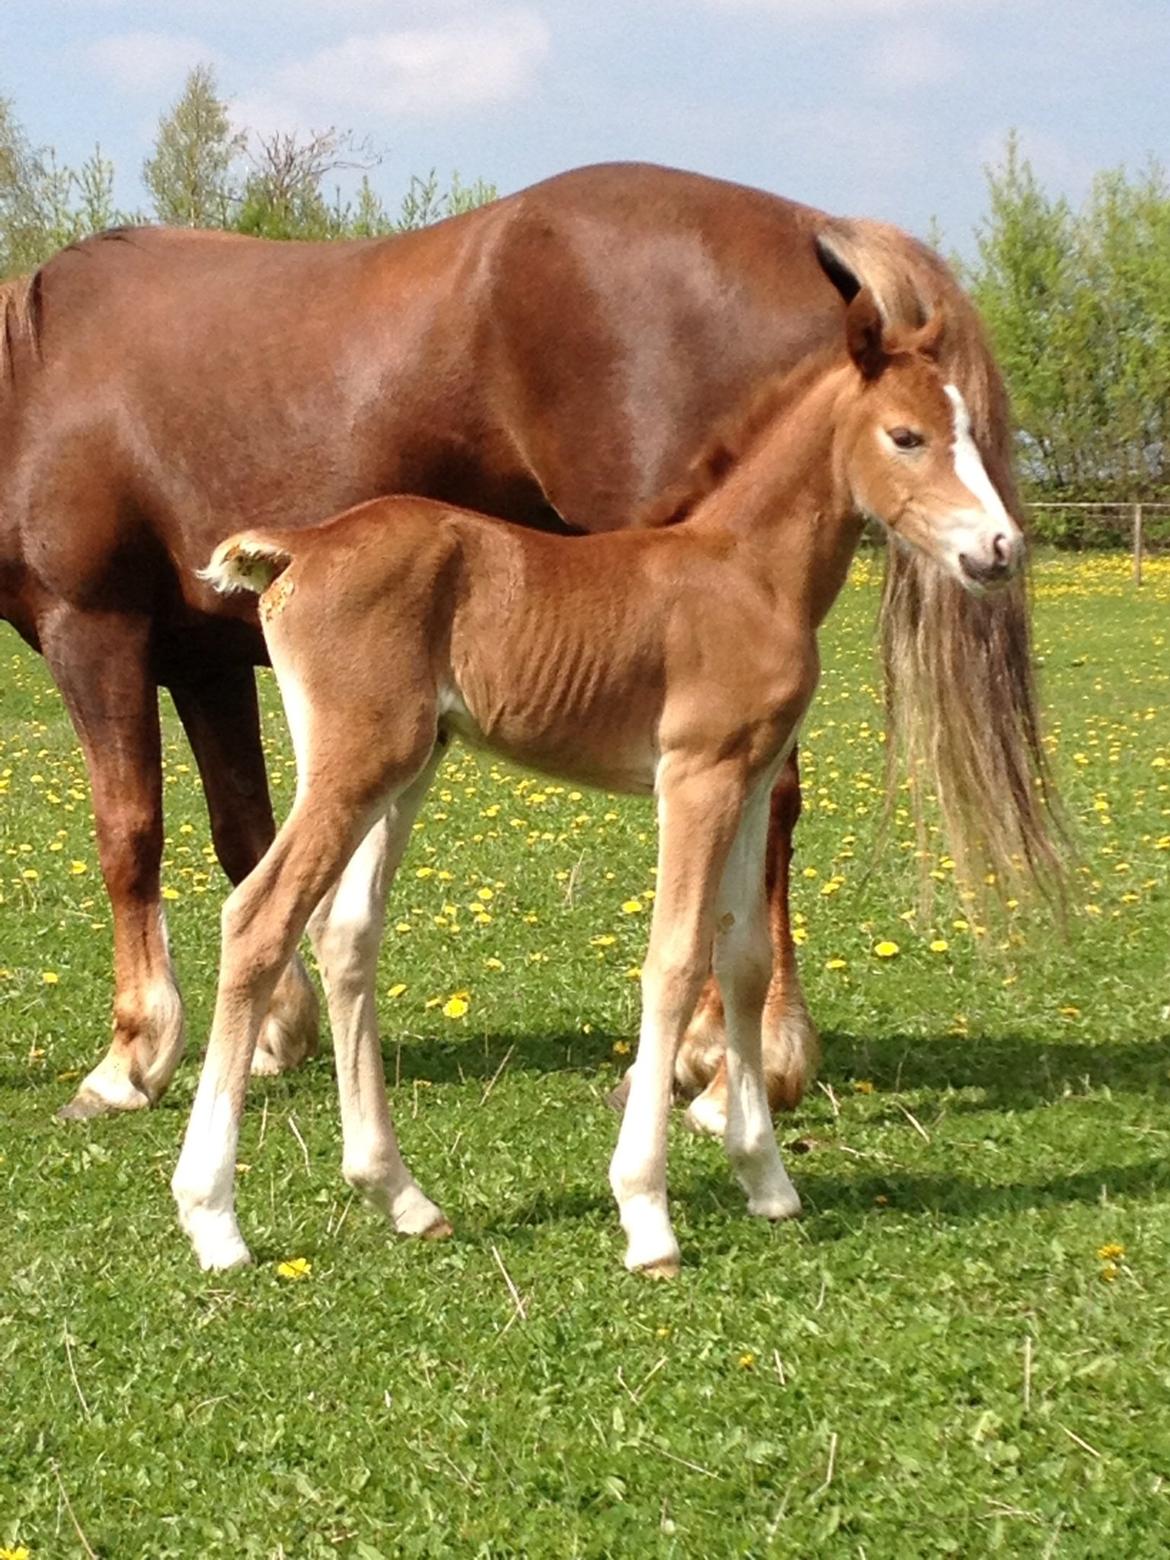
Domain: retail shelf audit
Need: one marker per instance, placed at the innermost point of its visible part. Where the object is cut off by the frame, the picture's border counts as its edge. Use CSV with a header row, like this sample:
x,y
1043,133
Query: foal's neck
x,y
787,503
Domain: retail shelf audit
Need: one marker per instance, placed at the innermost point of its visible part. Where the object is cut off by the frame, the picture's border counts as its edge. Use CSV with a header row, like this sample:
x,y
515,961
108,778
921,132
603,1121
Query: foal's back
x,y
561,653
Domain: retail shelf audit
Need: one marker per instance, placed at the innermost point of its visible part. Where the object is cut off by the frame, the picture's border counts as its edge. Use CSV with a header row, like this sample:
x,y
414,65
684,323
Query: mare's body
x,y
553,359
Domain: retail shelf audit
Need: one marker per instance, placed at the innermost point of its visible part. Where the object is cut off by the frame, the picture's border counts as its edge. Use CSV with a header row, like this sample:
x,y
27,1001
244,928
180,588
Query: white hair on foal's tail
x,y
246,562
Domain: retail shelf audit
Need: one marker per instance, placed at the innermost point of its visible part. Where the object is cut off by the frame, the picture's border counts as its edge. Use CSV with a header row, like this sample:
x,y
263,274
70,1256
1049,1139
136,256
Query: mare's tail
x,y
962,711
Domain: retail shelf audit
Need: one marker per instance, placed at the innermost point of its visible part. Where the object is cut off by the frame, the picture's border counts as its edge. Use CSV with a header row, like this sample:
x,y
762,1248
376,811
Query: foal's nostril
x,y
990,572
1001,547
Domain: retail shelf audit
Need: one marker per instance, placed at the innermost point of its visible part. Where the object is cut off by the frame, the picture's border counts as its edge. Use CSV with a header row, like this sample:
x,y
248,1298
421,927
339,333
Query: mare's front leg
x,y
221,717
346,930
698,815
791,1046
101,663
742,961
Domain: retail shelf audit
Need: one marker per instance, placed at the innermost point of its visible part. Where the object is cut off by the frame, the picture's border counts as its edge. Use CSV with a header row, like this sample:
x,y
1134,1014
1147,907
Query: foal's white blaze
x,y
969,467
976,531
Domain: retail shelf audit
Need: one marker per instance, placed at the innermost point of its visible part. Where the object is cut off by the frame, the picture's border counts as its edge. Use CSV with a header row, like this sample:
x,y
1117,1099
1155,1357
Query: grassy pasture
x,y
962,1348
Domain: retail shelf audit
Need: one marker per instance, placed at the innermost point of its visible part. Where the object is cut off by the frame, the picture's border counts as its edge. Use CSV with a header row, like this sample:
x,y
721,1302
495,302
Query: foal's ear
x,y
928,341
864,334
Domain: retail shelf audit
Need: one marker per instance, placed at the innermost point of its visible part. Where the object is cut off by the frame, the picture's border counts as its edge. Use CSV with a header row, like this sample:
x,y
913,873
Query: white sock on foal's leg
x,y
346,930
204,1180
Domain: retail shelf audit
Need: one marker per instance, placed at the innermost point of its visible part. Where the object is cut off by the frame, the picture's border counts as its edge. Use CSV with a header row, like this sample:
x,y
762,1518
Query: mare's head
x,y
904,440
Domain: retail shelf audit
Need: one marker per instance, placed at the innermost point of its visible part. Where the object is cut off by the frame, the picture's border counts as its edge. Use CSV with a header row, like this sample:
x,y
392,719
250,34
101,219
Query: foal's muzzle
x,y
993,563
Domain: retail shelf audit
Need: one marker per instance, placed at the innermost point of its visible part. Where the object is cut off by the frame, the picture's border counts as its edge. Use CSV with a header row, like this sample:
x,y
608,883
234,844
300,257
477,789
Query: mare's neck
x,y
788,505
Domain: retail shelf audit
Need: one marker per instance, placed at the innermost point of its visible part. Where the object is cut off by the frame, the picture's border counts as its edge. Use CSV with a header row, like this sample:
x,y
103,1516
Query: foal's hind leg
x,y
743,964
346,929
222,721
791,1047
101,663
345,785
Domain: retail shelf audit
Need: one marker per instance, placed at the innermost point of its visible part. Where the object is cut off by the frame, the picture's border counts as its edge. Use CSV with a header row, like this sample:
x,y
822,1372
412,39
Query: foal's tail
x,y
962,710
250,560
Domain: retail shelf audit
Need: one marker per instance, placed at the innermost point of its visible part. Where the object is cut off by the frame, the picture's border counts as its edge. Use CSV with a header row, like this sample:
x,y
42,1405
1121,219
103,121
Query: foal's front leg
x,y
698,814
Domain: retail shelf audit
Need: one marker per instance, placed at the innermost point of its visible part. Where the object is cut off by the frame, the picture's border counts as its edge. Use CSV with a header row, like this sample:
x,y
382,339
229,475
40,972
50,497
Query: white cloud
x,y
833,12
419,71
147,61
911,57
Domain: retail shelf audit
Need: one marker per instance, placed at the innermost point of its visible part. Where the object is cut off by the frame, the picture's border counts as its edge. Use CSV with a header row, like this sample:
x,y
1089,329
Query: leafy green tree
x,y
44,205
1078,304
189,173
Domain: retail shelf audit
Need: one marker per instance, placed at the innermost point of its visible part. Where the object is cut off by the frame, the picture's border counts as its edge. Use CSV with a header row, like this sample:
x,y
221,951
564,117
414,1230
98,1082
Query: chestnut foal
x,y
677,660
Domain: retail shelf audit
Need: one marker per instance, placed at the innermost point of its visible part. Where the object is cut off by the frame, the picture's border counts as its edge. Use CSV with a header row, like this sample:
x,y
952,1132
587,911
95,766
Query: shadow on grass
x,y
1010,1071
836,1206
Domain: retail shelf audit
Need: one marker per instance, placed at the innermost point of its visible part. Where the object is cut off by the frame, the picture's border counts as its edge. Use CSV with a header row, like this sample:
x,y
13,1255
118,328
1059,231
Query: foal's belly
x,y
622,756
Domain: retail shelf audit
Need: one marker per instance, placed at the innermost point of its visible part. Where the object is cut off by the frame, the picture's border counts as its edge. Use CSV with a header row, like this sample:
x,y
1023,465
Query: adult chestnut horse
x,y
555,359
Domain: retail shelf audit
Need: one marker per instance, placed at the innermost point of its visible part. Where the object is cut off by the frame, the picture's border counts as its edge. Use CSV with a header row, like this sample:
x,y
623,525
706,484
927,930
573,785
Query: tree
x,y
189,174
1078,304
44,205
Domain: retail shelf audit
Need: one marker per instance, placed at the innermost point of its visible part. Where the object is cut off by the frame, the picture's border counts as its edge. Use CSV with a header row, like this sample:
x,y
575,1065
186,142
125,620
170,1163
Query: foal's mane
x,y
733,438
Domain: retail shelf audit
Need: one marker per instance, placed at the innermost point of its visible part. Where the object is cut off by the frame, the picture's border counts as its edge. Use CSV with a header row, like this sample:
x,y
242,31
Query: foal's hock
x,y
677,659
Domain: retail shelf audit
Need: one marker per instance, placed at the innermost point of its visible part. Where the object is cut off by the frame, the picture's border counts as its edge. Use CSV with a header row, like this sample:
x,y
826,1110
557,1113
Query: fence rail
x,y
1141,523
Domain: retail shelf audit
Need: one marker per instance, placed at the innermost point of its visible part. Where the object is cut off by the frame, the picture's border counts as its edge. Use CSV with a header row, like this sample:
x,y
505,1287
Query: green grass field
x,y
962,1348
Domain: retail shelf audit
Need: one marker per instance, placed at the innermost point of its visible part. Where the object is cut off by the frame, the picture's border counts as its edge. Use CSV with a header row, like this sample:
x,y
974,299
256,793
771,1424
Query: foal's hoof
x,y
440,1230
665,1267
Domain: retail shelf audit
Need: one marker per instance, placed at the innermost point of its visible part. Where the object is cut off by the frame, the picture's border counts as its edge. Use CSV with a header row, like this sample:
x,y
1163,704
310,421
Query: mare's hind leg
x,y
346,930
101,663
742,960
222,720
791,1046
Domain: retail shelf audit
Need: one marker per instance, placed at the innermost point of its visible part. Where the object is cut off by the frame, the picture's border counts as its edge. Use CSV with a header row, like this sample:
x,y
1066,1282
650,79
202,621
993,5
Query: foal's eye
x,y
906,438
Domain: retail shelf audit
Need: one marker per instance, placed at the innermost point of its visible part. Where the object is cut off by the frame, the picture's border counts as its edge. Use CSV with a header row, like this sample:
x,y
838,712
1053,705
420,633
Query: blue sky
x,y
881,107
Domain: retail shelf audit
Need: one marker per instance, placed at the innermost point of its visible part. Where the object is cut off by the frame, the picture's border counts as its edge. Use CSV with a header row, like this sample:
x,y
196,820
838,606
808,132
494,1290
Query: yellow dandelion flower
x,y
835,964
939,945
862,1086
621,1048
633,906
50,977
1111,1251
886,949
171,893
397,989
78,867
298,1267
747,1360
455,1007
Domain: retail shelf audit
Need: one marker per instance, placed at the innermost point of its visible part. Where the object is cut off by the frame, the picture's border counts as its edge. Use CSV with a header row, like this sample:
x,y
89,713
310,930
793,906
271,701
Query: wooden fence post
x,y
1137,545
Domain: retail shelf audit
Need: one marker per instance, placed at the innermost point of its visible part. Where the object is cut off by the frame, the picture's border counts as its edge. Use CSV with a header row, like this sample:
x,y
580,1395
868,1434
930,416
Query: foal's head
x,y
908,456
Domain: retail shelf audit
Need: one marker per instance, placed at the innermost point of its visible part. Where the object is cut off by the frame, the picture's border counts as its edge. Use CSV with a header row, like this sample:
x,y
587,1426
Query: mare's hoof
x,y
707,1115
85,1105
616,1098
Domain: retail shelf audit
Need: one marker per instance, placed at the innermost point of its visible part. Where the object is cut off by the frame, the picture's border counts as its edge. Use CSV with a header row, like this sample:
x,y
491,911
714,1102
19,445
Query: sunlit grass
x,y
963,1346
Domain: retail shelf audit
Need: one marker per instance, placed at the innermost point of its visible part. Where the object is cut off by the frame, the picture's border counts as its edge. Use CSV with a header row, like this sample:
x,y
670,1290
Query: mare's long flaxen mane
x,y
961,707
